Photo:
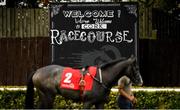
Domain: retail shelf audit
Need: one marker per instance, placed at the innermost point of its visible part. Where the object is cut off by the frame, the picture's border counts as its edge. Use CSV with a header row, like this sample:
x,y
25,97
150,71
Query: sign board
x,y
2,2
92,33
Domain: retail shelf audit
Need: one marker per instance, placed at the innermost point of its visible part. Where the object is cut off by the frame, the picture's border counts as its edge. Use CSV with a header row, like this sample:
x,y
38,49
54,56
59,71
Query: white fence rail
x,y
113,89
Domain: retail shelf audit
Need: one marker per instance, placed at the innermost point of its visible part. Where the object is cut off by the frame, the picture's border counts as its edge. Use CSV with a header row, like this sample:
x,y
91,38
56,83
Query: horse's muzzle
x,y
141,83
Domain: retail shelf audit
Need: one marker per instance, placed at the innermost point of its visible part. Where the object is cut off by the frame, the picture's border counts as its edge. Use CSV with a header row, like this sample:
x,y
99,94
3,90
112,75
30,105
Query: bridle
x,y
134,73
100,81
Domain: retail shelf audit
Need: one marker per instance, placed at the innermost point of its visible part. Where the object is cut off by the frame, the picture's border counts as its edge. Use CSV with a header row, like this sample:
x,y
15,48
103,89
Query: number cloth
x,y
71,77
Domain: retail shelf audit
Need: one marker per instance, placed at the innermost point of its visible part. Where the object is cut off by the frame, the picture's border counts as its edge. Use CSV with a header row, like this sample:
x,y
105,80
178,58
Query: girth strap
x,y
82,84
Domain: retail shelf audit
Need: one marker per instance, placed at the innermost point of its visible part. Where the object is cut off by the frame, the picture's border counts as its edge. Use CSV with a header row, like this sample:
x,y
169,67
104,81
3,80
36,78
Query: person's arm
x,y
123,93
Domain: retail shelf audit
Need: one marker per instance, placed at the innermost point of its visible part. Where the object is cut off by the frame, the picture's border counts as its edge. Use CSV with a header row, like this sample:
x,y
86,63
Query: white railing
x,y
113,89
152,89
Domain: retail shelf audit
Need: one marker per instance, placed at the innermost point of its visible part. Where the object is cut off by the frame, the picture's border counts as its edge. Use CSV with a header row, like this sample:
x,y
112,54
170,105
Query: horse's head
x,y
133,72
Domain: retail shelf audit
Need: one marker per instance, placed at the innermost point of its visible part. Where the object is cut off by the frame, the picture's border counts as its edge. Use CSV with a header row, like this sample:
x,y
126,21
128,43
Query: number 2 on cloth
x,y
68,78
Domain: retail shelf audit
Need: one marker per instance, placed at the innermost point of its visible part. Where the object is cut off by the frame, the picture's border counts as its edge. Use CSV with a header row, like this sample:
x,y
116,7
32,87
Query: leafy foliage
x,y
146,100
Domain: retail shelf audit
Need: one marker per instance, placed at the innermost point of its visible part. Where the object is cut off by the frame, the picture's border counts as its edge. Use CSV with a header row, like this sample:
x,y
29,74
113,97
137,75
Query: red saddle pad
x,y
70,78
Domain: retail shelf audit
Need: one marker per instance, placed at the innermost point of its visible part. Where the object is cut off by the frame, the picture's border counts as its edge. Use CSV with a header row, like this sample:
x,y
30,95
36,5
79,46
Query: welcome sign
x,y
2,2
92,33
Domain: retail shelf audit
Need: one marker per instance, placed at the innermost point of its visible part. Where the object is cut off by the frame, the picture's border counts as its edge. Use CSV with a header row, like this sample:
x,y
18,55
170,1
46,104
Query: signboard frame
x,y
132,8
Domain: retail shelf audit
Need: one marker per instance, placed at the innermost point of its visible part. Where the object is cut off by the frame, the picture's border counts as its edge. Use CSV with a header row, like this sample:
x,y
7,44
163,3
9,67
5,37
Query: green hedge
x,y
146,100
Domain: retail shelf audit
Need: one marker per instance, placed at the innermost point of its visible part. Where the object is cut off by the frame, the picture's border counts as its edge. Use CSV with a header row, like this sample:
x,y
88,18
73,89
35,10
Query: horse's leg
x,y
99,105
87,105
46,100
42,100
50,100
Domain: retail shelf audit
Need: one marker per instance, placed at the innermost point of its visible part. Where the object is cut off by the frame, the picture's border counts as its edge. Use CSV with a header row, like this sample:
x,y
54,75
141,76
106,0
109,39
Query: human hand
x,y
131,98
134,101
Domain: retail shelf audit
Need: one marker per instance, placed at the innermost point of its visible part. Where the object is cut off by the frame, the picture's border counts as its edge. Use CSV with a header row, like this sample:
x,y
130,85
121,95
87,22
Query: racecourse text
x,y
58,37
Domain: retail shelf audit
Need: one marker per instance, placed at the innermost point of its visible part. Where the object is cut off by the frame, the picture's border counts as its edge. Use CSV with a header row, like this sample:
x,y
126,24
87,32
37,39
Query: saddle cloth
x,y
71,77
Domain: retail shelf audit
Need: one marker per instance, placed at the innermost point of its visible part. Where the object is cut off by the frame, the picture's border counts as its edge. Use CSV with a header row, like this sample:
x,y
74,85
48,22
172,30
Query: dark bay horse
x,y
46,81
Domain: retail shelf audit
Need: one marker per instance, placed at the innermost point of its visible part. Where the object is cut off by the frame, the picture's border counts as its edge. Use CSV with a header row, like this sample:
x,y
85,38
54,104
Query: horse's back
x,y
48,77
50,68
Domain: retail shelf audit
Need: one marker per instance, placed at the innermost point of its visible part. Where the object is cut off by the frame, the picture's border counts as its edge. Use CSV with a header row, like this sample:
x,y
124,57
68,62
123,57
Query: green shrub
x,y
158,100
146,100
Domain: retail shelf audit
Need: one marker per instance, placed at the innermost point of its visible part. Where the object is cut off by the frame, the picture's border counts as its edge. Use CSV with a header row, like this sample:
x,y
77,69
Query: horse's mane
x,y
104,65
112,62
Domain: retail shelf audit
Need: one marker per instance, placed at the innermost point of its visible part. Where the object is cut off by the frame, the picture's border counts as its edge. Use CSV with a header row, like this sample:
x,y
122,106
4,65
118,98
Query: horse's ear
x,y
132,58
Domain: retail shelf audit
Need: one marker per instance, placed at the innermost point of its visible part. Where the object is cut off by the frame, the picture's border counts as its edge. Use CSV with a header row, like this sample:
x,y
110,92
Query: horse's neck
x,y
119,66
114,72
